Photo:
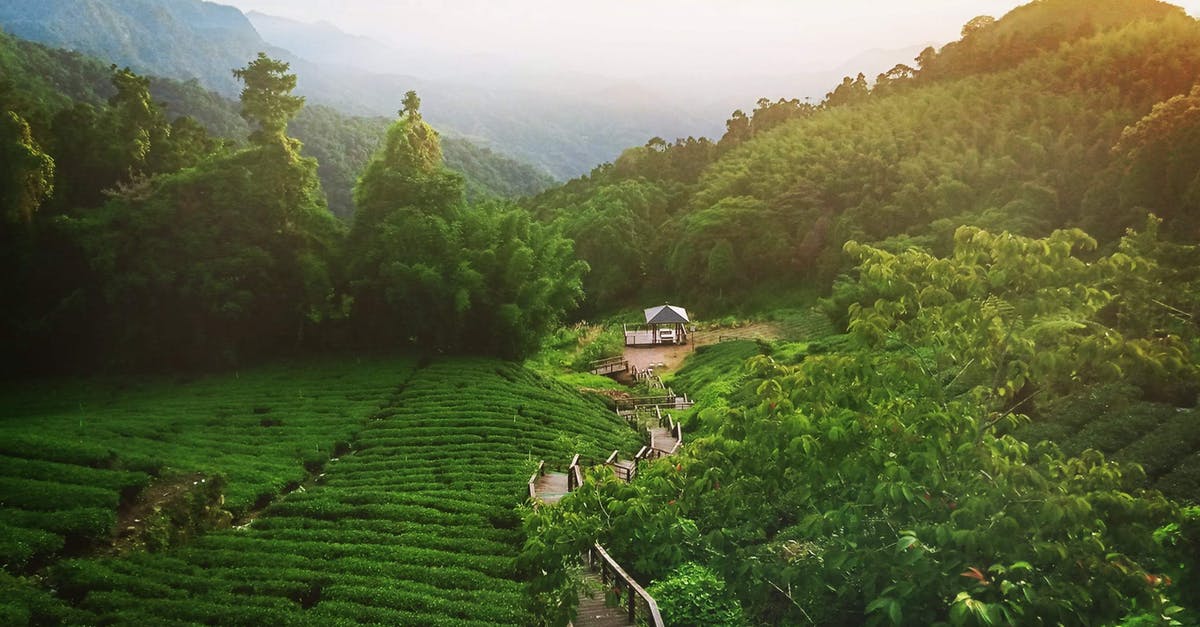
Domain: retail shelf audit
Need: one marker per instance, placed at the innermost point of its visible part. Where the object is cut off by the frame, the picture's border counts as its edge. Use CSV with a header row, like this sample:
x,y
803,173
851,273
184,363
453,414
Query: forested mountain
x,y
138,238
1026,135
172,39
342,144
564,134
993,423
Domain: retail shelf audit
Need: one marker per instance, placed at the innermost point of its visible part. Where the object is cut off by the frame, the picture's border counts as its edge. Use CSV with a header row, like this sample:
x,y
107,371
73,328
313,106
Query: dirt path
x,y
667,358
188,496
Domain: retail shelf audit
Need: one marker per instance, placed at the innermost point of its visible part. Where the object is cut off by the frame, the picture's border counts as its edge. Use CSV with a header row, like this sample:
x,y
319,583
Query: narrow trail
x,y
604,580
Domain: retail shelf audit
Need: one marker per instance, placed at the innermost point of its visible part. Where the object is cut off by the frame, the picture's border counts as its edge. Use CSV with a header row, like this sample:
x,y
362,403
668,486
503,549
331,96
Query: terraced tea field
x,y
413,522
1164,440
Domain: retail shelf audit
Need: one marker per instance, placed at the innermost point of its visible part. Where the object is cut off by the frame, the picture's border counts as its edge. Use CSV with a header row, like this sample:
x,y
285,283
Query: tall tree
x,y
425,268
267,99
222,262
26,172
137,123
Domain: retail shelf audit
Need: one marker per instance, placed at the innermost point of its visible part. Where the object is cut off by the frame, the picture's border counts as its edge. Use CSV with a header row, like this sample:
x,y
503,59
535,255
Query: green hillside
x,y
1028,144
983,274
1005,432
907,472
411,474
43,81
181,39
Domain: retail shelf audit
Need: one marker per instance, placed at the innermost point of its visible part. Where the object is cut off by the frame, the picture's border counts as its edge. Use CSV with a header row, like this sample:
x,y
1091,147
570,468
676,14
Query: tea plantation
x,y
410,520
1162,438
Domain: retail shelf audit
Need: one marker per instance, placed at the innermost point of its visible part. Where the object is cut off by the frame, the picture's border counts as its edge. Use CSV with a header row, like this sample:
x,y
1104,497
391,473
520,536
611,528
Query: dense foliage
x,y
1004,433
876,480
140,241
993,131
431,270
221,259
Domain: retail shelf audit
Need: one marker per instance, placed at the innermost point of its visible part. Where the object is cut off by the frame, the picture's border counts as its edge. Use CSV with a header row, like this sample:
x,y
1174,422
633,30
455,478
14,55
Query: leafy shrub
x,y
610,343
694,596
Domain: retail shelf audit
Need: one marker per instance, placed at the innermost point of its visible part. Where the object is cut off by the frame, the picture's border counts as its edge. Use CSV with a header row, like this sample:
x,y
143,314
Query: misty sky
x,y
630,38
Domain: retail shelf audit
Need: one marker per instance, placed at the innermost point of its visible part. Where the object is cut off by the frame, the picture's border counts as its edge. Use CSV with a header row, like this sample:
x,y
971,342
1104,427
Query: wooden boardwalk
x,y
626,469
547,487
664,441
594,611
610,366
551,487
644,338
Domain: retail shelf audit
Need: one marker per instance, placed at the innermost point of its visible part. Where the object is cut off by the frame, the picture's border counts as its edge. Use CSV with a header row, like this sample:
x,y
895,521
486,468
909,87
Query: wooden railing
x,y
541,471
676,429
635,599
654,381
623,473
574,475
666,401
609,366
651,451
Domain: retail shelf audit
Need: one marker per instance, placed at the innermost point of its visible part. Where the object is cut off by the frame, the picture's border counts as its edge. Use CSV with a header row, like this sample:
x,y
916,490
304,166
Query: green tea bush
x,y
80,525
38,495
1183,481
412,524
19,546
1115,429
1162,449
120,481
22,603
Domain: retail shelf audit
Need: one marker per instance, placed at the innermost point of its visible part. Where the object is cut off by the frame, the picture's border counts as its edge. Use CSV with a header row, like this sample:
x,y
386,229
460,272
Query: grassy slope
x,y
414,526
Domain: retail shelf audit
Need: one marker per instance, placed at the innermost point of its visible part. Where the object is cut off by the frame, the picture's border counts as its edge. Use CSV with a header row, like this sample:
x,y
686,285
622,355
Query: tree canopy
x,y
430,270
267,99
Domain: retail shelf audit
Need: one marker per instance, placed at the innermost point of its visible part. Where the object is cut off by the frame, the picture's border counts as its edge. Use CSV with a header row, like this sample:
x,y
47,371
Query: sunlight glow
x,y
635,38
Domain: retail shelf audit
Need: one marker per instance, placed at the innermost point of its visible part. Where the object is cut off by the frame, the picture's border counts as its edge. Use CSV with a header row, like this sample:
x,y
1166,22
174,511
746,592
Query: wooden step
x,y
592,610
664,440
551,487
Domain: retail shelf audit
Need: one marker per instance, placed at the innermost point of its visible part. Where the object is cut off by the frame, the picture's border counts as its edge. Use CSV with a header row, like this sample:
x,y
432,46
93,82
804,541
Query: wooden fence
x,y
612,365
635,599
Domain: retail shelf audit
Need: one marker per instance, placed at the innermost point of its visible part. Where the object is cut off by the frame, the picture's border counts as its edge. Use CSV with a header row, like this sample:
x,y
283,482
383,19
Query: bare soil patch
x,y
667,358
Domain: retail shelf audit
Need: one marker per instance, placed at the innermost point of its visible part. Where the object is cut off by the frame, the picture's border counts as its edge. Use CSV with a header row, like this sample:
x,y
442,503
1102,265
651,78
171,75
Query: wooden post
x,y
632,605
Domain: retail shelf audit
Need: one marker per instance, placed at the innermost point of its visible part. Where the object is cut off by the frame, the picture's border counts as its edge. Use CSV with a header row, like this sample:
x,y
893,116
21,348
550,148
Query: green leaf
x,y
894,612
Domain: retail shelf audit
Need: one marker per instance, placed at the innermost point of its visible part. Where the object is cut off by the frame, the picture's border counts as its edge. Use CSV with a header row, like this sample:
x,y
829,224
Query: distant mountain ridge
x,y
563,134
564,124
326,42
341,144
178,39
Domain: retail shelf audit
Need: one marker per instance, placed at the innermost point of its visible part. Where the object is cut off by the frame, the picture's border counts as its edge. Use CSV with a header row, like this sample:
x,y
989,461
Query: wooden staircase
x,y
546,487
632,601
594,610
